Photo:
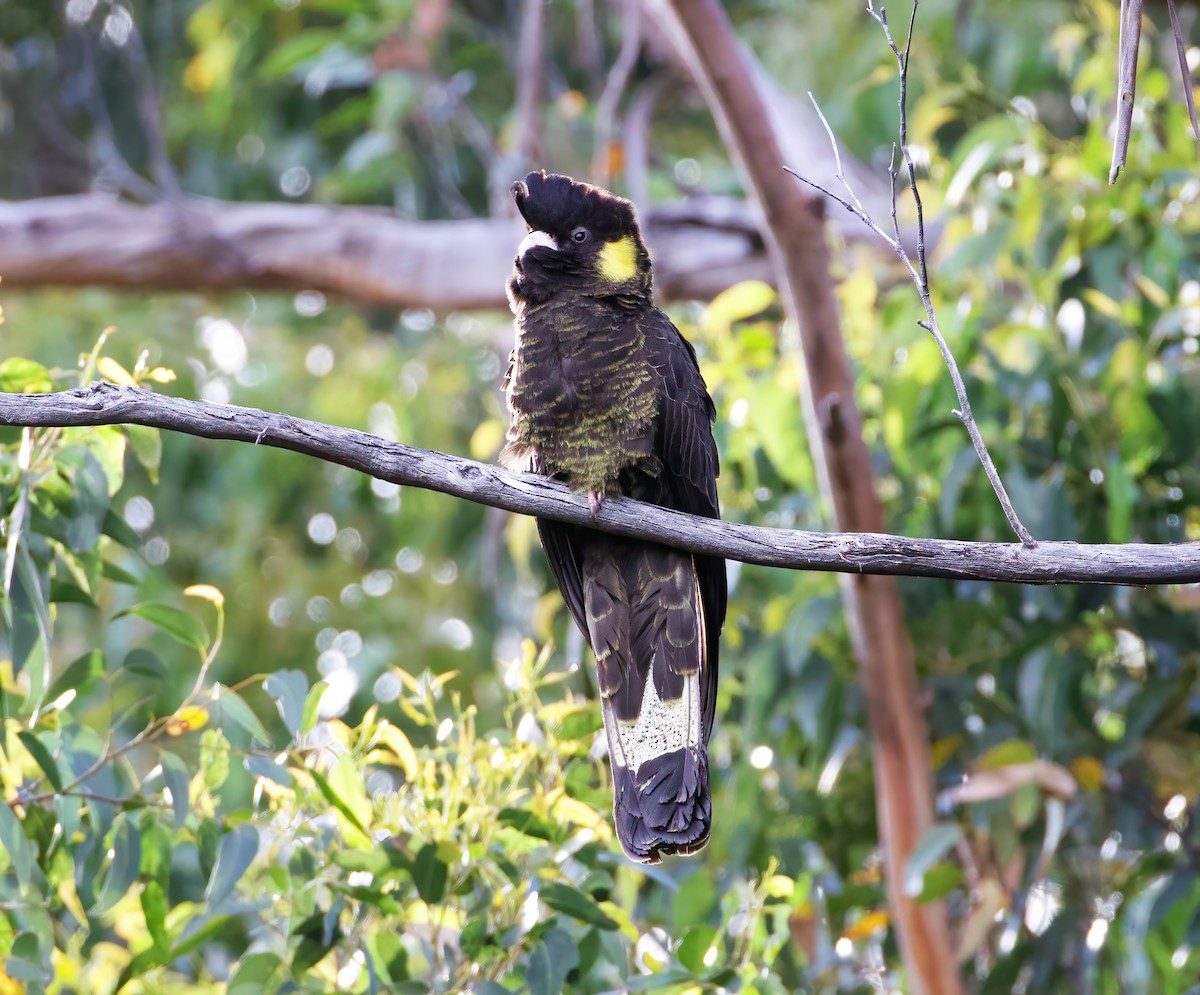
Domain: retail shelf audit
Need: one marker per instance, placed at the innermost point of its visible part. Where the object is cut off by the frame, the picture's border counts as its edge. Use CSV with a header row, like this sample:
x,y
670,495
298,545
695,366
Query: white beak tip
x,y
533,239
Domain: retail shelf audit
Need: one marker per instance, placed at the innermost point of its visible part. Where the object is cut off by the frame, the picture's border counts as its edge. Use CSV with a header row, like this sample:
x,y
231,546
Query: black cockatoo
x,y
605,394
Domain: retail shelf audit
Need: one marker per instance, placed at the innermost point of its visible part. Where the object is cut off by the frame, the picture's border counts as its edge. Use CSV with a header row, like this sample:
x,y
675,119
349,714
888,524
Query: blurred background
x,y
1073,308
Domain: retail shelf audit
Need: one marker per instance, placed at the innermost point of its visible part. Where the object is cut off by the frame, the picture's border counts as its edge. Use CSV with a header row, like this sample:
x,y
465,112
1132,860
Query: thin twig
x,y
531,494
918,271
1185,73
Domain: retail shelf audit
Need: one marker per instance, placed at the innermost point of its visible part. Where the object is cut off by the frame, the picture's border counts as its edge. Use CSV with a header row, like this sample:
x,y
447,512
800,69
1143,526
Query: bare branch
x,y
1185,73
919,272
362,254
1127,57
529,494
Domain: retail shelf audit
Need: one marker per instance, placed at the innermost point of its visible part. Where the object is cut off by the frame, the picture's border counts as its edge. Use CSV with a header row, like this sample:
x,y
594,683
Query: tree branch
x,y
1184,72
794,224
918,272
1127,57
529,494
362,254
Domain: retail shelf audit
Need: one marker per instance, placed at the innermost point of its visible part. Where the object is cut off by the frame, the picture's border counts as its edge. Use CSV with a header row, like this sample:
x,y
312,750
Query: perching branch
x,y
529,494
919,272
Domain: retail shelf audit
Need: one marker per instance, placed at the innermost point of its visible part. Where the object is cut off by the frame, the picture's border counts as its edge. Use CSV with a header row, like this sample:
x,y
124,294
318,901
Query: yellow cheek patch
x,y
618,260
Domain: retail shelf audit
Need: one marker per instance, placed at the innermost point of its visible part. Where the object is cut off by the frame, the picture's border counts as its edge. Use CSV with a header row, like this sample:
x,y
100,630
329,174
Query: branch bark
x,y
530,494
1127,57
363,254
796,240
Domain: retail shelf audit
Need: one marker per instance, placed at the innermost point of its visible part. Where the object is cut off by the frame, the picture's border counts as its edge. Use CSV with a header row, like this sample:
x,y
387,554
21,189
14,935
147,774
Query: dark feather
x,y
605,392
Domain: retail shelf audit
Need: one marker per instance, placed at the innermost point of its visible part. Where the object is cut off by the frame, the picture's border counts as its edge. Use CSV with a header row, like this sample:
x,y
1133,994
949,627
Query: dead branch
x,y
1185,73
1127,56
530,494
366,255
919,273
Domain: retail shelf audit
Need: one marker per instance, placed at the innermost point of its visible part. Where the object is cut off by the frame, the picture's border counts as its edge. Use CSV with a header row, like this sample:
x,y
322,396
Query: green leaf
x,y
332,797
117,574
156,850
30,638
316,939
208,846
934,842
237,852
473,938
346,781
429,874
63,592
289,688
115,527
1181,885
24,376
27,960
305,46
696,898
583,723
214,758
253,974
122,869
37,749
200,937
656,981
554,957
1121,490
309,717
77,673
258,765
742,300
178,781
15,843
694,947
235,707
146,444
177,624
568,899
390,957
940,880
154,908
527,822
106,443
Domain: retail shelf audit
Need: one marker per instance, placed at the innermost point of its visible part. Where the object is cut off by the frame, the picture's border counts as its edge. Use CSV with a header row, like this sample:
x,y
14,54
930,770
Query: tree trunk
x,y
794,228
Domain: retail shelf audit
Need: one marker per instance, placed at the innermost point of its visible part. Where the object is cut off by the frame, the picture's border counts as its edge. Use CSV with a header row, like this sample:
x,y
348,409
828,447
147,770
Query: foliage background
x,y
402,793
